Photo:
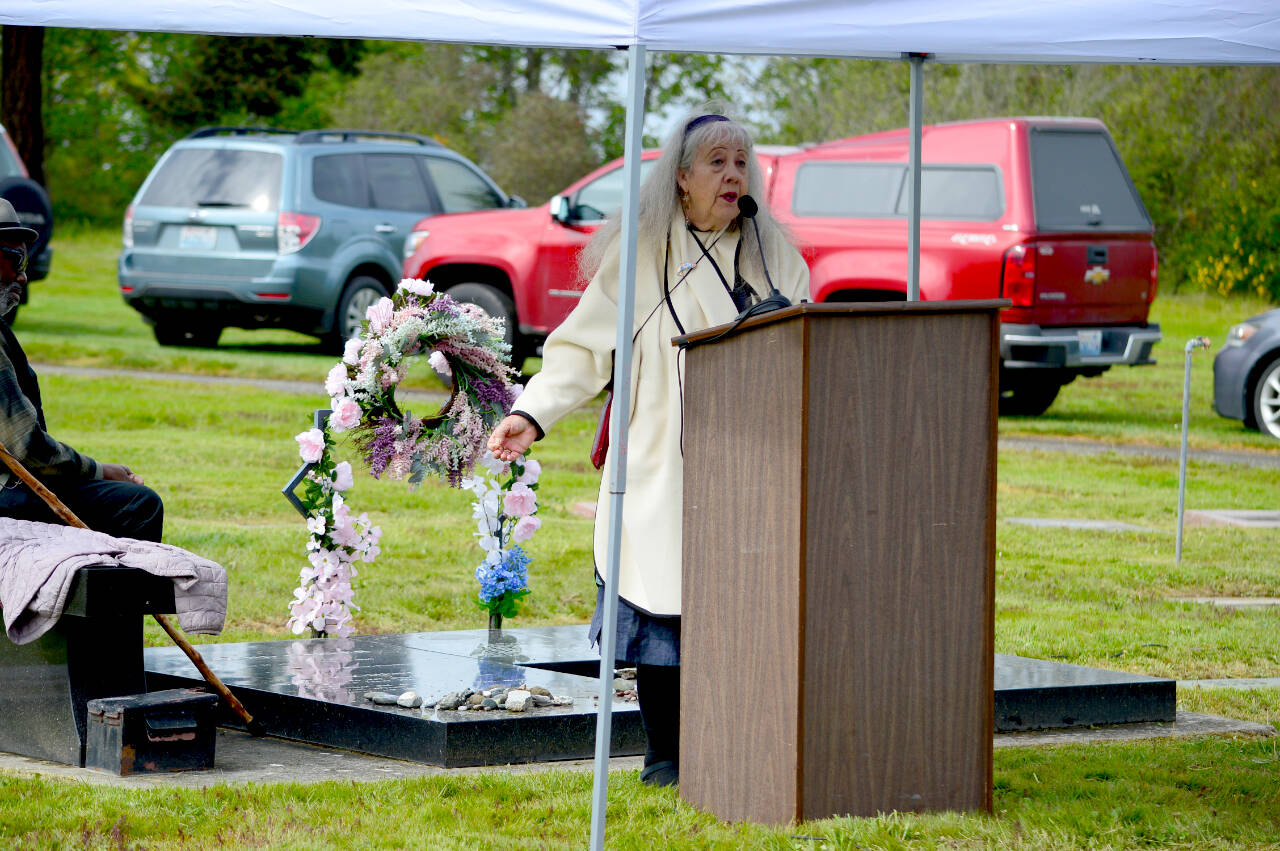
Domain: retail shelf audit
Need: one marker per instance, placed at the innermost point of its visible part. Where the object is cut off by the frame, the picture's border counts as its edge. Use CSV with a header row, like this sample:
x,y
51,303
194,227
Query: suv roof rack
x,y
235,130
358,135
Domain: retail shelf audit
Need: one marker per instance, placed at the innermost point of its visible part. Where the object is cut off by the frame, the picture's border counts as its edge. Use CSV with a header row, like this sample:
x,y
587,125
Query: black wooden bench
x,y
95,650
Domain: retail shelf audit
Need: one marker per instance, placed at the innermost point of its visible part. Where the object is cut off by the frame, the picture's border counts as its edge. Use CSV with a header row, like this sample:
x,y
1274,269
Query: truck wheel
x,y
495,303
1266,400
175,334
1026,399
360,293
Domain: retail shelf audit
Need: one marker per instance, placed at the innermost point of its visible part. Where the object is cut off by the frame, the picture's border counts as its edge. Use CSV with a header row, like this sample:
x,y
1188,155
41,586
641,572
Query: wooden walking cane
x,y
68,516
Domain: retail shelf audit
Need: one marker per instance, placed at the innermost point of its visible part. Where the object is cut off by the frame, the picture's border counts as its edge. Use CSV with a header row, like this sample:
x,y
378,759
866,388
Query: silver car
x,y
1246,374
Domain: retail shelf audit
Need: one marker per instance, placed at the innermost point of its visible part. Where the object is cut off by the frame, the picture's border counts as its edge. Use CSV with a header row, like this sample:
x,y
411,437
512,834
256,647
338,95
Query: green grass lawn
x,y
219,456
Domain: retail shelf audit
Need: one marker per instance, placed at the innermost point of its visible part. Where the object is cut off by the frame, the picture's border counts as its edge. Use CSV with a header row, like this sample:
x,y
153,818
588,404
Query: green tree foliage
x,y
1200,143
437,90
539,147
99,145
534,119
201,79
114,101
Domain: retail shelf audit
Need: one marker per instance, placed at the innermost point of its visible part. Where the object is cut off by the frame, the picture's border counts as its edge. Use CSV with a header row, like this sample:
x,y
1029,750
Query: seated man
x,y
109,498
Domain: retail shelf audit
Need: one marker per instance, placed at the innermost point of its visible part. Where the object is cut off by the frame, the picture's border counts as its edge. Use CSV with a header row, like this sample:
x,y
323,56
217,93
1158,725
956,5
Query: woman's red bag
x,y
600,447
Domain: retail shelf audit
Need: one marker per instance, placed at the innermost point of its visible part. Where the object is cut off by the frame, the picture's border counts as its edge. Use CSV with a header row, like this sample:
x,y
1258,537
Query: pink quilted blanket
x,y
38,560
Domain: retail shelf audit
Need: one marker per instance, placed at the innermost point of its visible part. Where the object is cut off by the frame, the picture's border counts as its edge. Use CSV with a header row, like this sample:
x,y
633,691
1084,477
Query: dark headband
x,y
700,120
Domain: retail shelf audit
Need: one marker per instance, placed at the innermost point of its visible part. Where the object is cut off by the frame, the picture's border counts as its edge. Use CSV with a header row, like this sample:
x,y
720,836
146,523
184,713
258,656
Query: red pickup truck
x,y
1037,210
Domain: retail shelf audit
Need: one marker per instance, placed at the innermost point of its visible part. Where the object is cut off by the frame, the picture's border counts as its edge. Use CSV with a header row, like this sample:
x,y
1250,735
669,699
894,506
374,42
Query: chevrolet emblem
x,y
1097,275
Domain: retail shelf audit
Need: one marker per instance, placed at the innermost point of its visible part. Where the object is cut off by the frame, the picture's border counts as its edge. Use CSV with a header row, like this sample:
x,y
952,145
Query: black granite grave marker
x,y
313,690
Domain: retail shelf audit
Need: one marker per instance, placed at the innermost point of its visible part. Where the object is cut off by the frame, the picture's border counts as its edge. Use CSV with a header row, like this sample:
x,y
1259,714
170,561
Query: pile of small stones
x,y
518,699
624,684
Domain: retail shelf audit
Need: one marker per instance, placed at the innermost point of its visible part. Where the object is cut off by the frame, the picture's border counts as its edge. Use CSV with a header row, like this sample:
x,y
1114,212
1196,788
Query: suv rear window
x,y
1079,182
217,177
879,190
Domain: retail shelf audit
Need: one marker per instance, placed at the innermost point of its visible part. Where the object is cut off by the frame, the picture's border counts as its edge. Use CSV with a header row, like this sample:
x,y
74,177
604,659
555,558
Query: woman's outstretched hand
x,y
512,438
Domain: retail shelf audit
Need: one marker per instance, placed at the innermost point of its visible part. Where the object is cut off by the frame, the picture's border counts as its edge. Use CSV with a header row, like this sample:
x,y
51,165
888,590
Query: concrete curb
x,y
243,759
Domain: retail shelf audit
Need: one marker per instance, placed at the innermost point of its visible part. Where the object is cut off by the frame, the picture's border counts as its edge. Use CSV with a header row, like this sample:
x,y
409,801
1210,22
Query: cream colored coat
x,y
578,362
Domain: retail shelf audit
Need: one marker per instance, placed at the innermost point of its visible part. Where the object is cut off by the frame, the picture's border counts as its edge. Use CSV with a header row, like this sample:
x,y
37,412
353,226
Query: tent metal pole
x,y
916,123
618,436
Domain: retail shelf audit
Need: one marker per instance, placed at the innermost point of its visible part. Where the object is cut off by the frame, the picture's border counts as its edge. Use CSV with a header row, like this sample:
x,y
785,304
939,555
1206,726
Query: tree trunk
x,y
21,94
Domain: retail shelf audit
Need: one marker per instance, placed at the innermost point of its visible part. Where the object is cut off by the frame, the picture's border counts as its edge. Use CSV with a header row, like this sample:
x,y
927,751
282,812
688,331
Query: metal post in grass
x,y
633,150
1192,344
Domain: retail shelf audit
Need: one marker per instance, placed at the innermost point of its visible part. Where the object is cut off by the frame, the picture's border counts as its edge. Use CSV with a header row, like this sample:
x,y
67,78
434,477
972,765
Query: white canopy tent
x,y
1183,31
1234,32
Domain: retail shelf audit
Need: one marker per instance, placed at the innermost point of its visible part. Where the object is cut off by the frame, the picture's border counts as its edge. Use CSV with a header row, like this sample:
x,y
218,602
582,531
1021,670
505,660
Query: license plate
x,y
198,237
1090,343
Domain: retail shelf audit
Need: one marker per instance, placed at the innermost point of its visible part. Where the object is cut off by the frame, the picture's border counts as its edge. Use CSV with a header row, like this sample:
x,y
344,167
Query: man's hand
x,y
120,473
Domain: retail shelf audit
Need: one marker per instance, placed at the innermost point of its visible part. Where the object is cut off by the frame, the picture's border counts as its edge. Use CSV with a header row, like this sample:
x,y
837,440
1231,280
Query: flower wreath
x,y
465,344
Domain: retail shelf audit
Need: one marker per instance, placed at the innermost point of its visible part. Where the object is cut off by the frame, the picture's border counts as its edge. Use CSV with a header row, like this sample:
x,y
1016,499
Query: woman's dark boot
x,y
658,688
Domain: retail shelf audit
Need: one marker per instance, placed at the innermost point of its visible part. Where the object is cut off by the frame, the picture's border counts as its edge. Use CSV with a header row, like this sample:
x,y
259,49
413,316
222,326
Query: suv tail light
x,y
1018,278
128,226
295,230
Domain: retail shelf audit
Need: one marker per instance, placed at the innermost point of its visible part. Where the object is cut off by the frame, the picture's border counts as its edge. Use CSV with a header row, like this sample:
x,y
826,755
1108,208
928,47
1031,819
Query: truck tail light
x,y
294,230
1155,275
128,226
1018,278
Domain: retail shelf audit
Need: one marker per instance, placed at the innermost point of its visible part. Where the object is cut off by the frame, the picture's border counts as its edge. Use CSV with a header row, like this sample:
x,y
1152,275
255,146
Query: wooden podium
x,y
839,561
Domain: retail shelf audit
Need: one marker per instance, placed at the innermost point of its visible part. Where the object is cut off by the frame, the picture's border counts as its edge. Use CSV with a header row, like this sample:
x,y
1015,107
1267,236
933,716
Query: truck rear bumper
x,y
1033,347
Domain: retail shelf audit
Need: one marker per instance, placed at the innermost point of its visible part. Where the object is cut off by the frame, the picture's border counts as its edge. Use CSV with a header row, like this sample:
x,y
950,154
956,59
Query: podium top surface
x,y
808,309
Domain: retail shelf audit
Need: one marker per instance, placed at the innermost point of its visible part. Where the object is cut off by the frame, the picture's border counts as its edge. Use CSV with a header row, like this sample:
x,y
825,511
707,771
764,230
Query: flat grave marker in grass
x,y
1237,603
1247,519
1076,523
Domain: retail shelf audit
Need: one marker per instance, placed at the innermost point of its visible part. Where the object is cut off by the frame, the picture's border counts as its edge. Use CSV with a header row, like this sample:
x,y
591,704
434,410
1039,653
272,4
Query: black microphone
x,y
776,300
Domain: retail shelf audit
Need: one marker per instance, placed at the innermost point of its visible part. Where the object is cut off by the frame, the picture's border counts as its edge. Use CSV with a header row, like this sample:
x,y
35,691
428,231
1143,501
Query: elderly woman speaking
x,y
696,267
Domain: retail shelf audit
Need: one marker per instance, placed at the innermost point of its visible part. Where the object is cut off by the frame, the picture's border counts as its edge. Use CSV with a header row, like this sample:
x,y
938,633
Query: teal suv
x,y
254,227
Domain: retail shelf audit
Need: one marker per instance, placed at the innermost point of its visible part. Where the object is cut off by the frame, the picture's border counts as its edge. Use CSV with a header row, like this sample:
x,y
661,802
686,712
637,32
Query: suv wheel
x,y
495,303
1028,398
1266,400
174,334
361,293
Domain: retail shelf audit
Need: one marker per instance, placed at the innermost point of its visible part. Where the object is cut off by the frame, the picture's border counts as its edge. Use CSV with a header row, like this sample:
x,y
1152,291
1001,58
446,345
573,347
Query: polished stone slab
x,y
312,691
1034,694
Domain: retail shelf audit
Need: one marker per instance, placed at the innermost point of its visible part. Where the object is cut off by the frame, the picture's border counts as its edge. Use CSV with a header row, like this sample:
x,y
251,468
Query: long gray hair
x,y
660,195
